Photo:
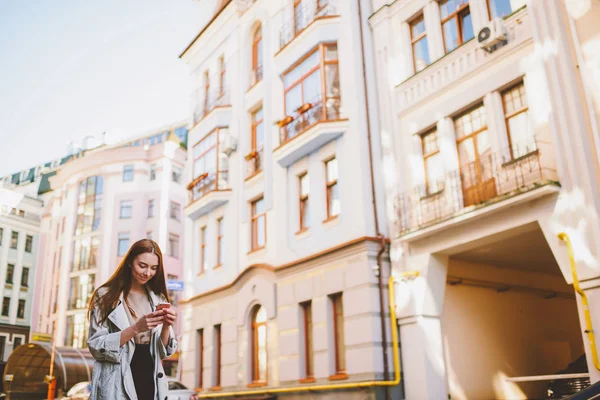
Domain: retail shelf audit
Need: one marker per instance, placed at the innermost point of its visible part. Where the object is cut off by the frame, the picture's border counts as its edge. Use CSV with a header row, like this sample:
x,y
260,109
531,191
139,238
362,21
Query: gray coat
x,y
111,378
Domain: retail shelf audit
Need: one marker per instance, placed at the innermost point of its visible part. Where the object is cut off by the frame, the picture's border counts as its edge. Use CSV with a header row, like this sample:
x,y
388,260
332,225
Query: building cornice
x,y
213,19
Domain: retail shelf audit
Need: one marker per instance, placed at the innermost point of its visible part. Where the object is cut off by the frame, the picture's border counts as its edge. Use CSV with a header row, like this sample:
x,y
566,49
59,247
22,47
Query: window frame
x,y
1,235
6,304
255,360
220,235
222,76
25,277
255,155
513,114
206,92
152,175
309,369
427,156
174,206
456,14
257,43
202,250
151,208
21,307
9,279
217,356
200,376
414,20
121,238
124,205
329,186
174,244
127,169
254,224
303,202
29,243
14,240
338,335
489,7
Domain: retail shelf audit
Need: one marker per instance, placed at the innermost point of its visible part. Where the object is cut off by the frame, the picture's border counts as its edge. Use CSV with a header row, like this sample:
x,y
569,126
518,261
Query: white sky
x,y
71,68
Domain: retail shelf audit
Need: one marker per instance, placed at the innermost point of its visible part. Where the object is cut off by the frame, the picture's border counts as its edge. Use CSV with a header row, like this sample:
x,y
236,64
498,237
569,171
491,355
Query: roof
x,y
45,183
221,5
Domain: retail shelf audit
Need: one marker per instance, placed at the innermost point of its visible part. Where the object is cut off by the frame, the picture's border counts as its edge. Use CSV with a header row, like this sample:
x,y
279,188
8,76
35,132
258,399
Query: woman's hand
x,y
169,317
149,321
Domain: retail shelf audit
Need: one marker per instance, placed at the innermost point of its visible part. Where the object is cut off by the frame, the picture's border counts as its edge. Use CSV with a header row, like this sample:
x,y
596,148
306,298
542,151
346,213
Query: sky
x,y
72,68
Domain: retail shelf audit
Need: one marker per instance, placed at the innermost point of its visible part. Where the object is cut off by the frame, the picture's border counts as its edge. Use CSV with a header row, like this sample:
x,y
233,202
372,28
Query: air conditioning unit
x,y
229,144
492,34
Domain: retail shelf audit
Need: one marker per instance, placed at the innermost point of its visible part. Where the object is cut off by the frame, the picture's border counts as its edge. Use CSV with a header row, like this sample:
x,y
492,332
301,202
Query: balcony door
x,y
475,156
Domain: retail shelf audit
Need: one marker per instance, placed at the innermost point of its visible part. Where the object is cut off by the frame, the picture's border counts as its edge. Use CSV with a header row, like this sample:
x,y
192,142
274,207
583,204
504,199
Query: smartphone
x,y
162,306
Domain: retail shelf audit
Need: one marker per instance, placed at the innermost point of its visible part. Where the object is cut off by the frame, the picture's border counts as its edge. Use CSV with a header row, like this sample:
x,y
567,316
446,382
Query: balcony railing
x,y
208,182
492,178
256,75
204,104
254,163
303,17
308,115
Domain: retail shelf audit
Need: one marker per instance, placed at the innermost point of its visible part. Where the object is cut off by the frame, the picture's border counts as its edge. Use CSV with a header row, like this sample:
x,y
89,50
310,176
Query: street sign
x,y
174,285
41,337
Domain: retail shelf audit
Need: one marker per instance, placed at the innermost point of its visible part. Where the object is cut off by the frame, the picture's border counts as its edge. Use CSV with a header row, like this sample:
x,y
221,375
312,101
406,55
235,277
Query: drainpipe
x,y
382,244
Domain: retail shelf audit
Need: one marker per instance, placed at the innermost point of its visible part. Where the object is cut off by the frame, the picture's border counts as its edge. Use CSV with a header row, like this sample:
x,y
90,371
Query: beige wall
x,y
490,335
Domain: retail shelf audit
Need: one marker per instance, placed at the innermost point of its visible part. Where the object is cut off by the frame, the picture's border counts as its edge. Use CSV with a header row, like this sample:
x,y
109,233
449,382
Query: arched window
x,y
257,56
259,345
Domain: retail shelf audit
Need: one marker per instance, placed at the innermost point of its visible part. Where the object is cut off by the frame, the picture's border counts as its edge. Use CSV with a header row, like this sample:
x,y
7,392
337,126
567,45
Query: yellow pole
x,y
353,385
584,301
52,382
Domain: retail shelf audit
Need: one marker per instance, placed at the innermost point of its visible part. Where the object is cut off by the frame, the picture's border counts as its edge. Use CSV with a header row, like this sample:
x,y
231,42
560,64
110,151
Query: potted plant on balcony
x,y
285,121
304,108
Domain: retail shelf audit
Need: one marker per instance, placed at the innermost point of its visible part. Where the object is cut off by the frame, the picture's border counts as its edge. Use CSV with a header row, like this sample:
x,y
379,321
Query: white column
x,y
417,164
433,24
407,68
496,126
479,14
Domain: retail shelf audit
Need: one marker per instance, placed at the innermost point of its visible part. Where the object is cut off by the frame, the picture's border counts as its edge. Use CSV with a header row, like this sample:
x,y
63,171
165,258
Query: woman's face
x,y
144,267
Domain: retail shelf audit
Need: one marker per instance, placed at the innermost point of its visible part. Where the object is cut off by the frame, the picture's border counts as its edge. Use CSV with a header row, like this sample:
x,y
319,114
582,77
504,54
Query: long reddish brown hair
x,y
120,281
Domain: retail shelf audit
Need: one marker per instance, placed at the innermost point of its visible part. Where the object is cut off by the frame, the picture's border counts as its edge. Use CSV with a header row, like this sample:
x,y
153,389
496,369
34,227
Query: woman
x,y
128,335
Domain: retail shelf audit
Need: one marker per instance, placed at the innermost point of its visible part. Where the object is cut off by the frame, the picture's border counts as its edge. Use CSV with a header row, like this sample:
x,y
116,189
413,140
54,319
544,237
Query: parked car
x,y
177,391
561,388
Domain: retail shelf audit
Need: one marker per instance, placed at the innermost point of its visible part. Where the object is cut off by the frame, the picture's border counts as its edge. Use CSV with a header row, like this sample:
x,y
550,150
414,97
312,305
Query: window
x,y
217,356
149,236
123,243
17,342
257,57
311,91
200,333
2,346
174,210
433,162
457,26
10,272
338,333
500,8
21,309
82,288
173,245
77,330
420,47
126,209
176,174
89,205
255,158
14,240
25,277
259,224
127,173
259,345
516,115
304,189
151,208
222,76
28,243
173,296
85,253
202,249
1,235
209,172
220,241
5,306
152,172
206,92
333,193
308,339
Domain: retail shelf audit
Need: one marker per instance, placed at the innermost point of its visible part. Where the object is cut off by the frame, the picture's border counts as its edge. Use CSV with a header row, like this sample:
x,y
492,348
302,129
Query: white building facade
x,y
489,153
98,204
20,217
282,247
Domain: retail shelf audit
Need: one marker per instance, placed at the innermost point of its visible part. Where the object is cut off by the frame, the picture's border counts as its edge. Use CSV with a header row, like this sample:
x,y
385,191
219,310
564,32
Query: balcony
x,y
485,183
314,124
205,105
207,192
19,214
254,163
304,16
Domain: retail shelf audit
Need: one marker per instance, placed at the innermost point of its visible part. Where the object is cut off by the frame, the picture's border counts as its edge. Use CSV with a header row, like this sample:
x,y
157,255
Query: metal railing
x,y
489,179
204,104
254,163
256,75
308,115
208,182
303,17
